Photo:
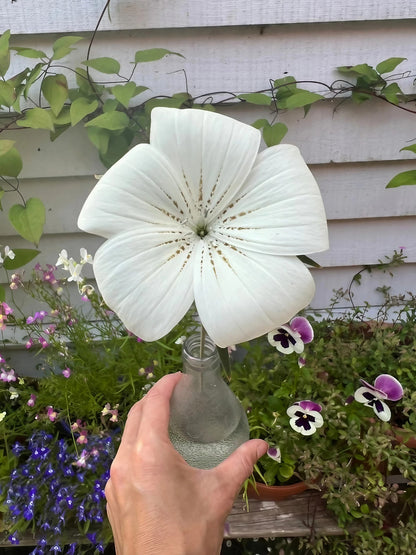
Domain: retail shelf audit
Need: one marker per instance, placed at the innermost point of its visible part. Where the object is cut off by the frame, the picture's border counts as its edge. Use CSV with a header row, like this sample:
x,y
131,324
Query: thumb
x,y
239,465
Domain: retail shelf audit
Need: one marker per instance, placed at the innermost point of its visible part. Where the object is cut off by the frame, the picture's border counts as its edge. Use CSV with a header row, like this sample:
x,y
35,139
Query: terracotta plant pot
x,y
275,493
402,436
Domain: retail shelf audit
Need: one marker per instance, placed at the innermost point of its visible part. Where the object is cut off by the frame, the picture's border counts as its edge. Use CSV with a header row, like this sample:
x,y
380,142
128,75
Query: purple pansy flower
x,y
274,453
305,417
385,387
291,337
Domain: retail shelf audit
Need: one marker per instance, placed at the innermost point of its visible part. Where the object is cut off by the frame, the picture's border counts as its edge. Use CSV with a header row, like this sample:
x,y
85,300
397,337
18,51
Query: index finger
x,y
152,411
156,404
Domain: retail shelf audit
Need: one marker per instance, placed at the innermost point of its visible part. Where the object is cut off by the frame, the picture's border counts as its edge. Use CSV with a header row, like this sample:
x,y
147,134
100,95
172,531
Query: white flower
x,y
198,215
8,253
14,394
85,257
63,259
2,415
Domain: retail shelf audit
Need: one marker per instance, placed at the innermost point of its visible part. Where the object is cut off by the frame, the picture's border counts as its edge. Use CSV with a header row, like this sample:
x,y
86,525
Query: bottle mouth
x,y
192,348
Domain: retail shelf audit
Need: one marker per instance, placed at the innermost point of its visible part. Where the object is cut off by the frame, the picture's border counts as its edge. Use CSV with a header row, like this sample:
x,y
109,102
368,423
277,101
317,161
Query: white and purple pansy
x,y
385,387
305,417
274,453
291,337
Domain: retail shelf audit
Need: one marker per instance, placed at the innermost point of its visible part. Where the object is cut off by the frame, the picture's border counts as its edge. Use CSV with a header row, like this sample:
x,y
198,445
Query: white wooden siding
x,y
238,46
46,16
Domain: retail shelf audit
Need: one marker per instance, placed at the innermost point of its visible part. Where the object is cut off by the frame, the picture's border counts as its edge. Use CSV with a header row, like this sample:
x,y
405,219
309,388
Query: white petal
x,y
319,421
146,282
213,153
360,397
301,429
279,209
240,296
384,414
141,187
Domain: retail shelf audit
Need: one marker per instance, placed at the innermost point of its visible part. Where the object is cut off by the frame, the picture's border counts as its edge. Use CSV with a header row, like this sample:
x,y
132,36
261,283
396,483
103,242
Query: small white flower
x,y
14,394
75,271
85,257
8,253
63,259
2,415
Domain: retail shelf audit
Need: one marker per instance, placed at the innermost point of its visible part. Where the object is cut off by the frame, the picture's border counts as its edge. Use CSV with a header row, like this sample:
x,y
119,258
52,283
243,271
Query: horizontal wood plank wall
x,y
238,46
78,15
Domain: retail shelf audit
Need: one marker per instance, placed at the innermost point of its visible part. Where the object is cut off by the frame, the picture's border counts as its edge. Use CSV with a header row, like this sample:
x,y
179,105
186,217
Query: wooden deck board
x,y
300,515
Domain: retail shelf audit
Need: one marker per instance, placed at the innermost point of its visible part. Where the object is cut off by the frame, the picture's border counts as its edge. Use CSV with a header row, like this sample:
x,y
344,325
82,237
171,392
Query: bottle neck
x,y
207,366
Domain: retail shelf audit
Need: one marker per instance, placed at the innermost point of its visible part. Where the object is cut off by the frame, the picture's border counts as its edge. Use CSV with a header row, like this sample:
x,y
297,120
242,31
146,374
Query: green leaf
x,y
118,145
393,93
104,65
260,123
169,102
63,118
153,54
412,148
28,220
4,52
286,85
260,99
36,118
62,46
363,70
99,138
110,120
7,94
31,78
403,178
2,294
5,146
55,90
11,163
22,257
29,52
308,261
386,66
124,93
110,105
273,134
302,98
80,108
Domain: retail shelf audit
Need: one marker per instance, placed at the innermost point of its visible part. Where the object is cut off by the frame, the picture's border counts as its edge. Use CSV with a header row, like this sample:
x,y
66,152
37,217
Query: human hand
x,y
156,502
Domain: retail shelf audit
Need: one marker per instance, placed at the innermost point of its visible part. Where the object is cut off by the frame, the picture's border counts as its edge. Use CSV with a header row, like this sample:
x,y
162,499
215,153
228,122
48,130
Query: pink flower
x,y
5,308
31,402
66,372
43,342
15,282
82,439
50,330
76,425
52,414
29,343
7,375
81,462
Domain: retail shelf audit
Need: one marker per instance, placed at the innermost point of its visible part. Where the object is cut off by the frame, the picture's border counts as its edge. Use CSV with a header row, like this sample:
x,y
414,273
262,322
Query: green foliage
x,y
28,219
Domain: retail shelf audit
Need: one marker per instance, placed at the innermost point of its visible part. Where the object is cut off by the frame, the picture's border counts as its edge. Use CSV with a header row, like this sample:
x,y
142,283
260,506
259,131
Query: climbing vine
x,y
115,111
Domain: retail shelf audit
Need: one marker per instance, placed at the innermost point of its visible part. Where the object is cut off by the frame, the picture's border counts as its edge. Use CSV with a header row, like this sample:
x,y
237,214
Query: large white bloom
x,y
198,214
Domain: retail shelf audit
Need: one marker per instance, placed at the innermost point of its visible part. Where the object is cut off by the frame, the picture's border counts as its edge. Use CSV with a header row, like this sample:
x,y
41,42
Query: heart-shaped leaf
x,y
28,220
21,257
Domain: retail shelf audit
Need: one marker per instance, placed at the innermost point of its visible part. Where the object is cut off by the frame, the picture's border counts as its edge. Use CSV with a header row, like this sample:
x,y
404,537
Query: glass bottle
x,y
207,422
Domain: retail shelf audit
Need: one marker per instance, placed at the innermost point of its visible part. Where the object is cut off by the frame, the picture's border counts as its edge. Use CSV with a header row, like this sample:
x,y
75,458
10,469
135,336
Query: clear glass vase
x,y
207,421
